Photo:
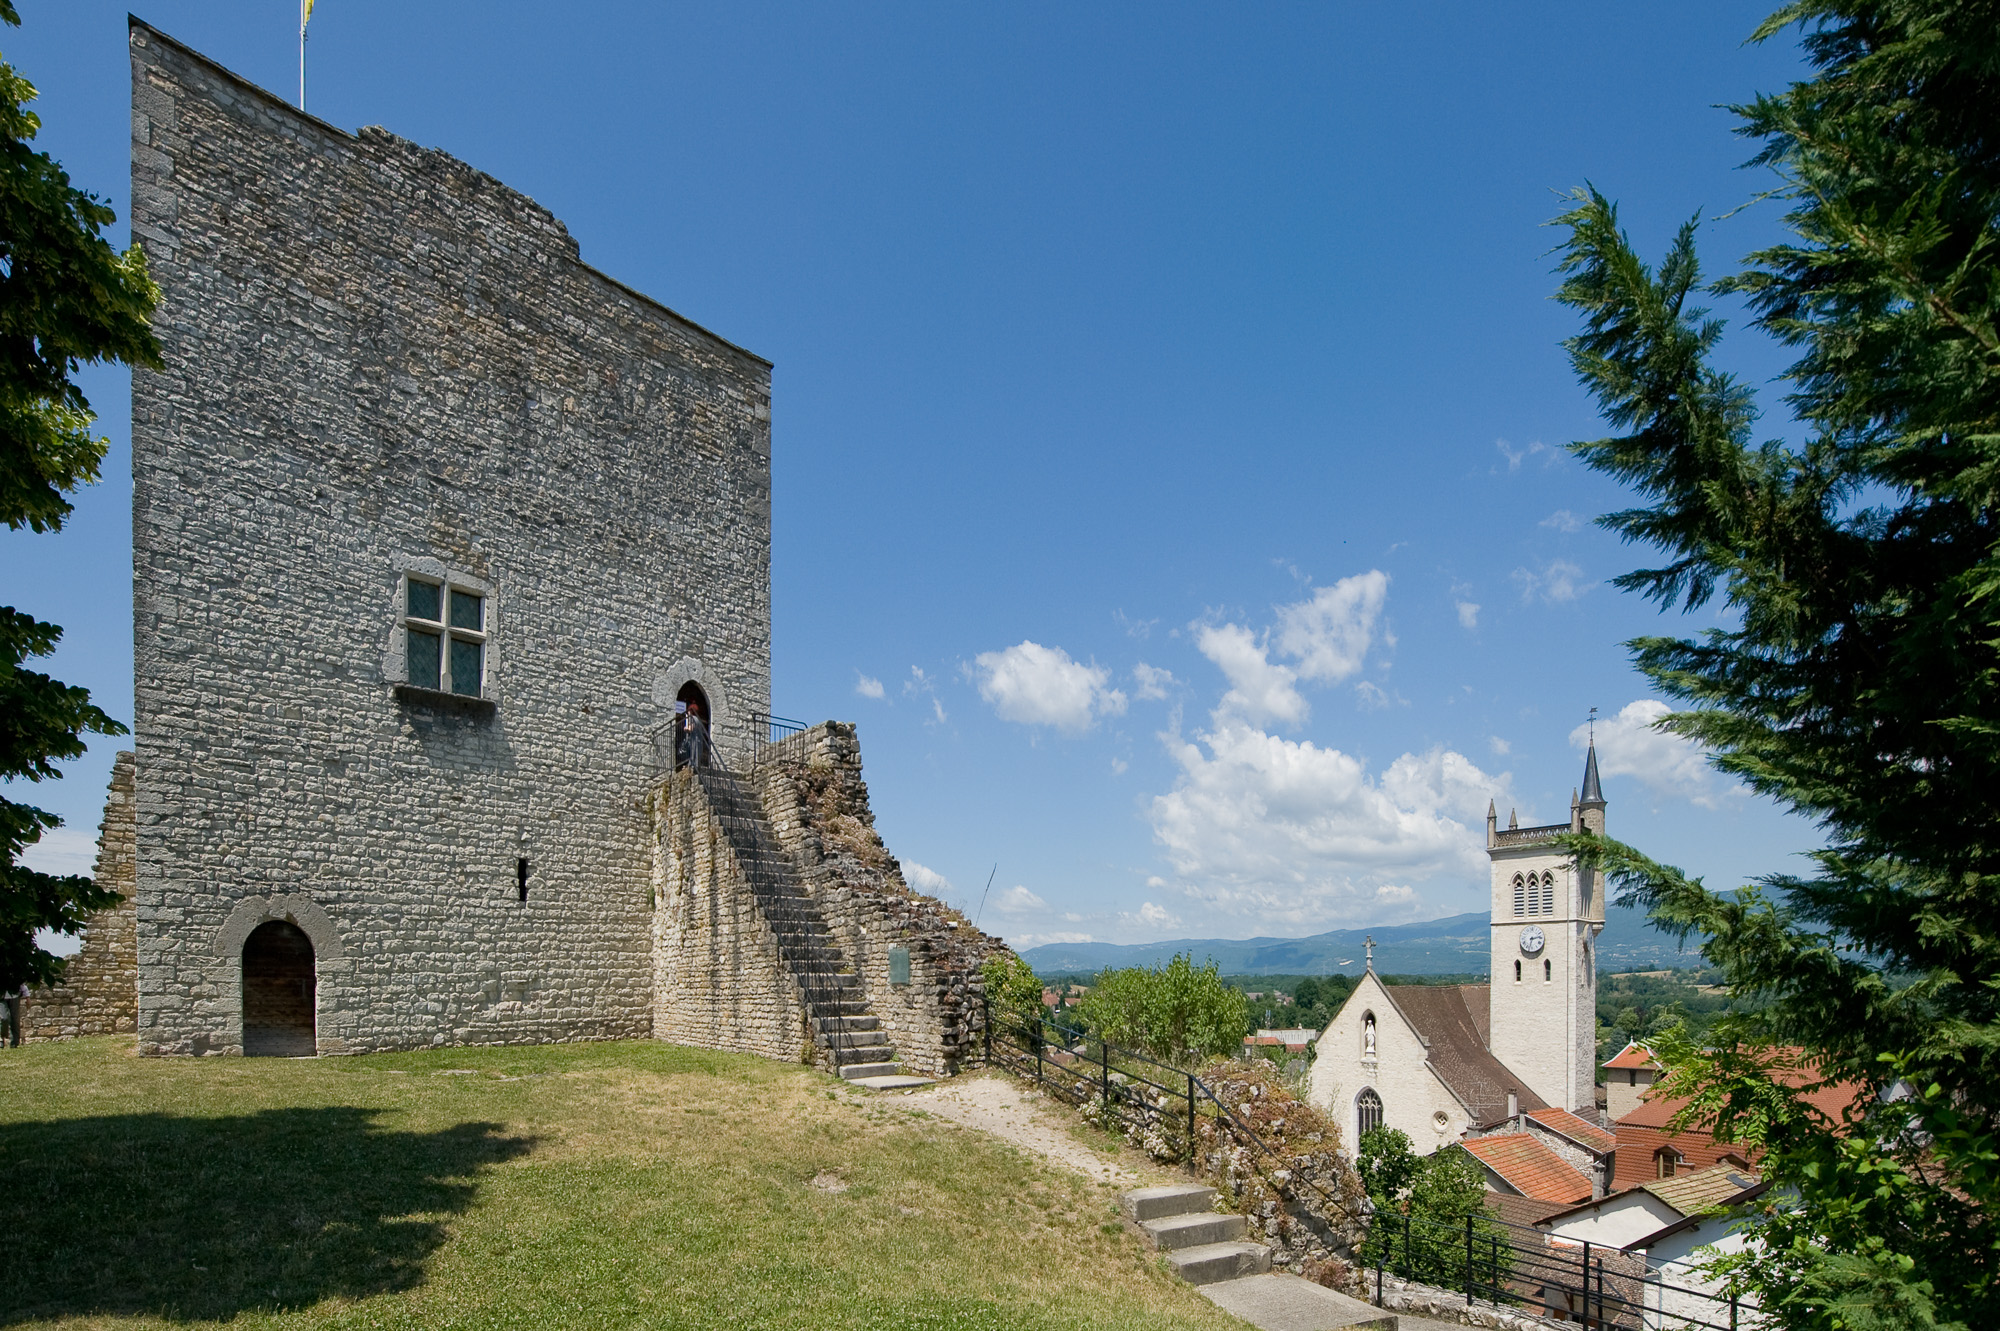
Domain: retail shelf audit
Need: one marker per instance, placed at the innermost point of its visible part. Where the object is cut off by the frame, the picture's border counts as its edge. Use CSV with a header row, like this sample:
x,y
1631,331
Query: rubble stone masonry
x,y
98,994
379,364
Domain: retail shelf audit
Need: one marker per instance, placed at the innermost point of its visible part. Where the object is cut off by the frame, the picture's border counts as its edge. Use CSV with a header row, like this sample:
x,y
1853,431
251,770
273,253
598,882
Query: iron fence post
x,y
1037,1036
1468,1259
1732,1312
1104,1073
1407,1268
1600,1291
1583,1282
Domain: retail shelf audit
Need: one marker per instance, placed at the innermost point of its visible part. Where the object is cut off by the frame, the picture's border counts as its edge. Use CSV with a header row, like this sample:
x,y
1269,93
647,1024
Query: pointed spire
x,y
1513,820
1593,791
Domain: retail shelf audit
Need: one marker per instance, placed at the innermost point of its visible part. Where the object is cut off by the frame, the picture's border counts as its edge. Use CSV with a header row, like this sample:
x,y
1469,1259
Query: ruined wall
x,y
720,982
99,990
380,364
817,802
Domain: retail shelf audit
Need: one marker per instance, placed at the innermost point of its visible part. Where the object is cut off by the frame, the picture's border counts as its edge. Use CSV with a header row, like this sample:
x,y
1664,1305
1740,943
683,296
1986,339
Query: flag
x,y
305,13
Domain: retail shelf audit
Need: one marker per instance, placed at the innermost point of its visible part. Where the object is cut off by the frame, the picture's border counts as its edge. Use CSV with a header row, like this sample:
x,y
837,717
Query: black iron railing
x,y
766,730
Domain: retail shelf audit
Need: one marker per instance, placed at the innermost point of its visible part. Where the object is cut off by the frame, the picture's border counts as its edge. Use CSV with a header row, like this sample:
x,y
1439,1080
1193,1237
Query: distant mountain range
x,y
1456,944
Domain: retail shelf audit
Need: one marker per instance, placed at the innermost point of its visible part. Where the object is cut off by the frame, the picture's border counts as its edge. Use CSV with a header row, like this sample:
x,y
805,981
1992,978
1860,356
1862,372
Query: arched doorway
x,y
279,999
693,697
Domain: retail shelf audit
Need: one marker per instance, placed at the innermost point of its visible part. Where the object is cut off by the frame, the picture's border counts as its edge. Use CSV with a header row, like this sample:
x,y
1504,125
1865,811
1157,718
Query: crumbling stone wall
x,y
379,362
817,802
99,992
719,981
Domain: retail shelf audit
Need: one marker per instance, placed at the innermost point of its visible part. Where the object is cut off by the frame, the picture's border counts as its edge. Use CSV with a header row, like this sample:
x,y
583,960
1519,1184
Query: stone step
x,y
1295,1303
900,1083
856,1071
1173,1232
1220,1261
1152,1203
835,1024
870,1053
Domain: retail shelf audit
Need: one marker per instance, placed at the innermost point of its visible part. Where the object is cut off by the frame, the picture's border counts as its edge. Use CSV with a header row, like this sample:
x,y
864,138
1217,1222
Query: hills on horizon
x,y
1456,944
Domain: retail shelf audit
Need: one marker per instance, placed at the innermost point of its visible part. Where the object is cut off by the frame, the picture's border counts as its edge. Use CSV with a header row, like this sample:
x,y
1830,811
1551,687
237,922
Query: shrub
x,y
1179,1013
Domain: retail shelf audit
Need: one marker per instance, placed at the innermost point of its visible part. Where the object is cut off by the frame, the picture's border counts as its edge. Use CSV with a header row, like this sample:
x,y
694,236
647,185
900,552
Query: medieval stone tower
x,y
1547,913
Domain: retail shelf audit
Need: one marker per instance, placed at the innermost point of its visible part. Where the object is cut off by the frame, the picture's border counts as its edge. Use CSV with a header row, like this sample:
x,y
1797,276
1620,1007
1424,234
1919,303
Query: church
x,y
1441,1062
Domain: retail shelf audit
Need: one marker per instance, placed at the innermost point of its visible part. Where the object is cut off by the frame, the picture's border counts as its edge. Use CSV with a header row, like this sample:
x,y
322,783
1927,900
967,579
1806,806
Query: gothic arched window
x,y
1367,1112
1520,896
1517,972
1548,894
1548,970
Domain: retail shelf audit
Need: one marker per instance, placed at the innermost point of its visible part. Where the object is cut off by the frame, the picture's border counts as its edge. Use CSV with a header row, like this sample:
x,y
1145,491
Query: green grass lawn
x,y
611,1185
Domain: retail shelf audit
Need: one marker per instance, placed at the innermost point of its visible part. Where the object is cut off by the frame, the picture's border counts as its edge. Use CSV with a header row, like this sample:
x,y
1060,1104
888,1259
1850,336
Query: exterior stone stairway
x,y
1209,1249
848,1037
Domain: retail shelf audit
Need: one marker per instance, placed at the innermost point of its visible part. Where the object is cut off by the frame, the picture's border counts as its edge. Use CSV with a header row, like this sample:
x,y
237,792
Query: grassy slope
x,y
621,1185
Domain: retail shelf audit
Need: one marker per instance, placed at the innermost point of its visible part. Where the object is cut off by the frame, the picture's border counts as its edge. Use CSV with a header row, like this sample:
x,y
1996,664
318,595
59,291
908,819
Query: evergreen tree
x,y
1857,677
66,298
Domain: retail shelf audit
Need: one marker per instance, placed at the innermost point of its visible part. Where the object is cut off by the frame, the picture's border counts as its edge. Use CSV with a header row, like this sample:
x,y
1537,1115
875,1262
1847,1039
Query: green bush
x,y
1012,991
1179,1013
1421,1207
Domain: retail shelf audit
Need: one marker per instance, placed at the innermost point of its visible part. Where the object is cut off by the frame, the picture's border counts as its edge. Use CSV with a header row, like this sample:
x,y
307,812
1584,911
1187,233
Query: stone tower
x,y
1546,916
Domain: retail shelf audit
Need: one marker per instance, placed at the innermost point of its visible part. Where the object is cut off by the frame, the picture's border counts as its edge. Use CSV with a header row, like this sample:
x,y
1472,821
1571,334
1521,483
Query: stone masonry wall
x,y
817,802
99,990
380,363
720,982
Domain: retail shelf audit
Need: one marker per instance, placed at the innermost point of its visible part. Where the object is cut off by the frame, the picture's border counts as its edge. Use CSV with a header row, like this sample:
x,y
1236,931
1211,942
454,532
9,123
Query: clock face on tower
x,y
1531,939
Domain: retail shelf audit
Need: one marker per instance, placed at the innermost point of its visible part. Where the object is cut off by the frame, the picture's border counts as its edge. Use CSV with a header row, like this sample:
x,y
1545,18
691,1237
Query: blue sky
x,y
1168,405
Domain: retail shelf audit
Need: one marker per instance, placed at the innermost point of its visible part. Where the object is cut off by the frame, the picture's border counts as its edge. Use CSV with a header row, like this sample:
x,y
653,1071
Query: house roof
x,y
1452,1019
1633,1055
1691,1194
1529,1167
1832,1099
1523,1211
1584,1133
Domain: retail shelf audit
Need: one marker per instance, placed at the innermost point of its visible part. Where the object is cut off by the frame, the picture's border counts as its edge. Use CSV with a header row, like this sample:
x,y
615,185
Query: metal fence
x,y
766,730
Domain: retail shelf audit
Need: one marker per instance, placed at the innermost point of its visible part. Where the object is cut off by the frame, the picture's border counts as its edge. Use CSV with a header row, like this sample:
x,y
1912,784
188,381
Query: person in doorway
x,y
694,738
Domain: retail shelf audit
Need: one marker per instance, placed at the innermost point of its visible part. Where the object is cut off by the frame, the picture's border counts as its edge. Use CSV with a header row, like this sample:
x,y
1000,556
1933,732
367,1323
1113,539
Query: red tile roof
x,y
1633,1055
1584,1133
1529,1167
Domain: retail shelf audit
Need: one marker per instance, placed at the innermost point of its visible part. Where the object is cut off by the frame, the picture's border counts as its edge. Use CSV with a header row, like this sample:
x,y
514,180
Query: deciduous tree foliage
x,y
1178,1012
1856,678
66,298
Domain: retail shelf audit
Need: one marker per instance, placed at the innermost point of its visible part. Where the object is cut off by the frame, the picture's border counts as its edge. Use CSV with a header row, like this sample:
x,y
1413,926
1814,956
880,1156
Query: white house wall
x,y
1414,1100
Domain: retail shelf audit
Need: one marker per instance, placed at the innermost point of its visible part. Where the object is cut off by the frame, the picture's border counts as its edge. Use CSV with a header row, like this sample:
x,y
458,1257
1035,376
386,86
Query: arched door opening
x,y
690,740
279,992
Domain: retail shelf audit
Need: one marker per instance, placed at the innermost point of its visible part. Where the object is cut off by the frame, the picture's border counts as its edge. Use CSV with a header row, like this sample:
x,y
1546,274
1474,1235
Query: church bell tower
x,y
1547,914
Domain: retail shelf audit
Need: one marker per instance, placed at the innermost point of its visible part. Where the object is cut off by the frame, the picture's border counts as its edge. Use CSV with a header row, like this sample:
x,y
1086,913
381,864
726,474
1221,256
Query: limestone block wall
x,y
99,991
381,364
719,981
814,795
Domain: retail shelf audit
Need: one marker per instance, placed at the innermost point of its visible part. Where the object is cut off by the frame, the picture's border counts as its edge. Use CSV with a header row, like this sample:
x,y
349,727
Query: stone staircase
x,y
1209,1249
848,1038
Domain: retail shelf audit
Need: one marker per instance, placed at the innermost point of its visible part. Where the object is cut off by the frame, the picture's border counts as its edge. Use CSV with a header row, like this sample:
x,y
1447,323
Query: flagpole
x,y
304,11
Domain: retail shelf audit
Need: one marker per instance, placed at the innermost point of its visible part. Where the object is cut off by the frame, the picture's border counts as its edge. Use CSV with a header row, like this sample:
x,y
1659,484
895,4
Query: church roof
x,y
1452,1019
1584,1133
1529,1167
1593,790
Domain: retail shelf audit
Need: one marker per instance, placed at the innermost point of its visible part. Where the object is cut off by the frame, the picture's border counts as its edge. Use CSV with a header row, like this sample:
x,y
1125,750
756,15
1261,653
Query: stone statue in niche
x,y
1368,1036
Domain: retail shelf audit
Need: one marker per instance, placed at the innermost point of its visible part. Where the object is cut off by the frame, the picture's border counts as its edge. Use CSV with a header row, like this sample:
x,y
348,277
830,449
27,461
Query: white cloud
x,y
1134,628
1516,456
1025,941
1468,614
925,879
1501,748
1018,900
1563,520
921,685
1666,764
867,685
1329,633
1119,766
1150,682
1259,688
1282,833
1041,686
1558,582
1370,697
1153,916
63,850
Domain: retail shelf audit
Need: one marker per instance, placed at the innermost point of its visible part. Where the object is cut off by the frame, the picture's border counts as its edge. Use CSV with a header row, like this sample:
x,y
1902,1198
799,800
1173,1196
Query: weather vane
x,y
1593,727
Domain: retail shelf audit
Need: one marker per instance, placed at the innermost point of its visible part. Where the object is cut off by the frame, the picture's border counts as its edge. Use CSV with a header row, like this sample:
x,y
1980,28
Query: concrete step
x,y
892,1083
1278,1302
856,1071
1153,1203
1171,1233
1211,1262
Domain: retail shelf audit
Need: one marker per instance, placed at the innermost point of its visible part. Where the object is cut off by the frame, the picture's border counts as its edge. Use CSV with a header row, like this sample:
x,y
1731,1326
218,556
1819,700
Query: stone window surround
x,y
395,660
1368,1104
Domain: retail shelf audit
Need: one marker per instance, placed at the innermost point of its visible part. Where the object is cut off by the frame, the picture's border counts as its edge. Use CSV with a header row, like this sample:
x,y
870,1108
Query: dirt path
x,y
999,1105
